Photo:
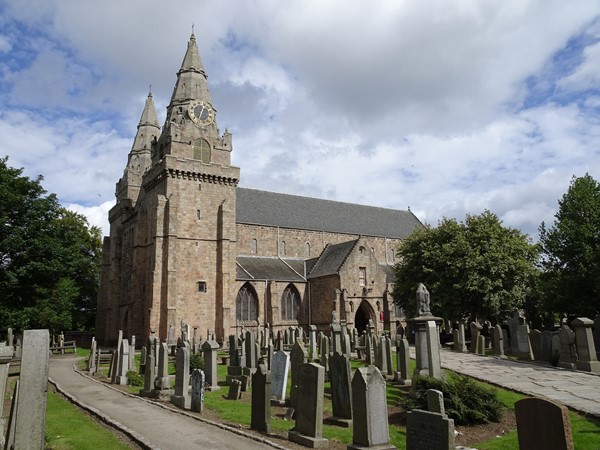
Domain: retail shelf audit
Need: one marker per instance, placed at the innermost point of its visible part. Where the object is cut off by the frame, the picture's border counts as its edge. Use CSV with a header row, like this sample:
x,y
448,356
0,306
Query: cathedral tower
x,y
173,235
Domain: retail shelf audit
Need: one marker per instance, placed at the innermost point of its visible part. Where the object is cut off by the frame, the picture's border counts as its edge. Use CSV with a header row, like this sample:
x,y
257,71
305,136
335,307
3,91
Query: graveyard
x,y
260,399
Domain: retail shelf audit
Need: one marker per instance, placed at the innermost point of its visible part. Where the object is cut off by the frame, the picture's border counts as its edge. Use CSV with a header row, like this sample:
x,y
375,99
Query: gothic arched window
x,y
254,246
282,248
307,249
246,304
290,303
202,150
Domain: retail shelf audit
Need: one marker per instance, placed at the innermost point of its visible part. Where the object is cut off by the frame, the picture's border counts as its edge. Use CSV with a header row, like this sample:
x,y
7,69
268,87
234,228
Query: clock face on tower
x,y
201,112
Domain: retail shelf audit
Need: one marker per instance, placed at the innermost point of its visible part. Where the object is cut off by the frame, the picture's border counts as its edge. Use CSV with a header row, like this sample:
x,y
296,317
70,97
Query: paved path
x,y
153,426
577,390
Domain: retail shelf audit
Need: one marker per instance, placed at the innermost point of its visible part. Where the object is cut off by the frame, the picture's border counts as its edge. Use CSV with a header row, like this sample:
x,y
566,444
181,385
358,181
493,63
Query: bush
x,y
466,401
134,379
196,361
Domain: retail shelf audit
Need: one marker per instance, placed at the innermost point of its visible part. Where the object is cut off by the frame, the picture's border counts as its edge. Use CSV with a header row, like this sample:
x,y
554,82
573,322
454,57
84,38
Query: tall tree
x,y
571,251
478,268
49,258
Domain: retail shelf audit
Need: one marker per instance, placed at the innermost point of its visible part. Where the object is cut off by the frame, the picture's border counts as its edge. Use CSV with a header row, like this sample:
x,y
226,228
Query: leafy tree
x,y
478,268
49,258
571,251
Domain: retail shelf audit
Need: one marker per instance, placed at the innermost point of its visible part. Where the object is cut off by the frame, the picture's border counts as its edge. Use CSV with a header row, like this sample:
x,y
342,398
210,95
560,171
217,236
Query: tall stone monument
x,y
421,328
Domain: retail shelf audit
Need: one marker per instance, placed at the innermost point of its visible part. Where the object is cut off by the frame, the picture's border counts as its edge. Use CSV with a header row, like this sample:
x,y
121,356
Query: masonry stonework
x,y
188,245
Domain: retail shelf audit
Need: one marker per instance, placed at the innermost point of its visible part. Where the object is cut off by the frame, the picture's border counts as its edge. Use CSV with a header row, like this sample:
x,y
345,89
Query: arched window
x,y
307,249
202,150
290,303
246,304
254,246
282,248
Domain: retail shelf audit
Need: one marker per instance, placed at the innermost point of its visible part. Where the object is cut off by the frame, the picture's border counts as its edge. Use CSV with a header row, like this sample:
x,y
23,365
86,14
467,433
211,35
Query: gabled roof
x,y
331,260
291,211
270,268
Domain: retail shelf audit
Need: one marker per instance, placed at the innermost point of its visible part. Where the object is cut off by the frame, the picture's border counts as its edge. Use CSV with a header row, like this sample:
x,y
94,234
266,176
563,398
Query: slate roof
x,y
291,211
332,258
269,268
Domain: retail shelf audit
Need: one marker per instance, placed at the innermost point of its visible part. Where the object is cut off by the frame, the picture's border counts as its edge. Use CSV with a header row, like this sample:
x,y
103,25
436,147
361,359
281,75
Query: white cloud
x,y
97,216
384,103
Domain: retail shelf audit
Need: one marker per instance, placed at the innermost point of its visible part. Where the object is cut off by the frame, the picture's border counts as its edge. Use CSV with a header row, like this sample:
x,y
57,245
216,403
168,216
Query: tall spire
x,y
148,131
192,81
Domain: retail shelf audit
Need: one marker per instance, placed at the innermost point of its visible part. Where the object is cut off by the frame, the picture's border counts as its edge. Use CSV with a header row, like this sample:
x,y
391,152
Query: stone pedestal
x,y
586,349
419,324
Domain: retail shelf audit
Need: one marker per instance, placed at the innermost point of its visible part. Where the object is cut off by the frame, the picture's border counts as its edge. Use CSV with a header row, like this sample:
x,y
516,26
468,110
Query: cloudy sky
x,y
446,107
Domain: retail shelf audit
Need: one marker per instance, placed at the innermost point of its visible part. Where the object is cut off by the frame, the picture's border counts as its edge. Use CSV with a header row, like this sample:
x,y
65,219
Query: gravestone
x,y
312,343
250,347
235,390
545,353
341,390
210,349
498,342
132,354
197,401
535,339
568,352
298,358
433,350
308,430
586,350
181,396
475,333
123,364
143,353
402,361
481,345
430,430
234,369
513,323
279,376
162,385
369,410
336,338
10,338
6,354
542,424
149,375
462,342
91,365
261,399
324,352
523,344
30,423
369,357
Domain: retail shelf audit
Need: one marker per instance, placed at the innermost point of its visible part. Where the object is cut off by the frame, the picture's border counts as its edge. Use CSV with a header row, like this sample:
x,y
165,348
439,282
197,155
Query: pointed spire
x,y
149,116
191,60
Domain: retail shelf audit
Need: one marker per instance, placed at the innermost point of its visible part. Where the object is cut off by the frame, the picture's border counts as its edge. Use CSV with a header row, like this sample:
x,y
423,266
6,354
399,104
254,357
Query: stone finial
x,y
423,308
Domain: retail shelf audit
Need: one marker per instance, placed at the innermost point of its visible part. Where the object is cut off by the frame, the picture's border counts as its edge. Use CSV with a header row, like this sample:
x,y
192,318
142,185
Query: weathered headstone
x,y
535,339
132,354
340,376
235,390
312,343
261,399
475,333
430,430
498,341
568,352
462,342
545,353
523,344
162,385
402,361
181,396
250,347
123,364
91,364
369,410
279,376
114,368
309,407
143,353
542,424
298,358
586,350
30,424
210,349
197,401
149,375
513,323
433,350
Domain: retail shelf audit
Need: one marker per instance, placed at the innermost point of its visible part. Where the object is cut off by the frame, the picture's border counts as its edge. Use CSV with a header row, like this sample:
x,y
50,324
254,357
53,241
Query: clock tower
x,y
180,236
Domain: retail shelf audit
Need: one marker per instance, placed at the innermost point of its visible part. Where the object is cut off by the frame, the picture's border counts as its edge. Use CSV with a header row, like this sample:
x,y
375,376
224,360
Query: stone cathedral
x,y
187,245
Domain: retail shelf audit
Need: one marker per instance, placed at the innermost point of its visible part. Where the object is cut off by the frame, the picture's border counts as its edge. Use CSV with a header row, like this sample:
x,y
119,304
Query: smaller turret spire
x,y
149,116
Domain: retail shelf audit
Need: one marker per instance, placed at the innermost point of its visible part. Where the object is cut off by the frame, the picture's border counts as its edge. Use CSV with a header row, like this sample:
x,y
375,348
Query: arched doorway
x,y
362,316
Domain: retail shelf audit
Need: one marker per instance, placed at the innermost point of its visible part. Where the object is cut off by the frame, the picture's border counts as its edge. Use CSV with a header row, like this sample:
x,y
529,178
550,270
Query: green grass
x,y
68,428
